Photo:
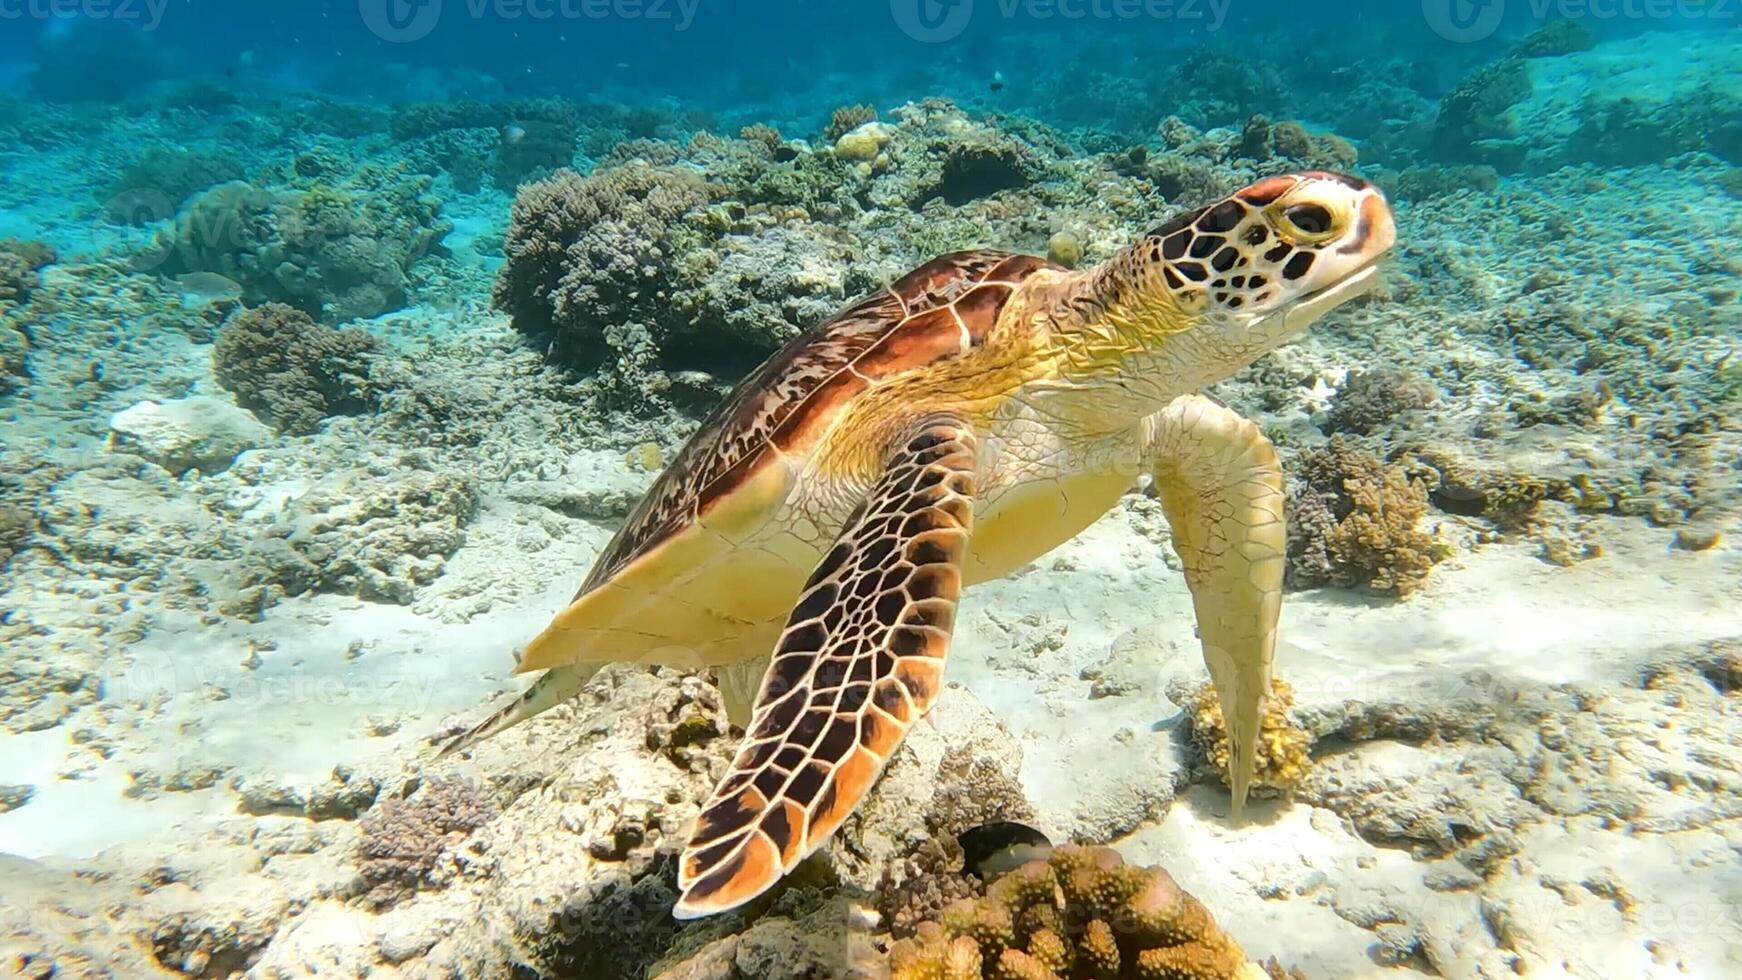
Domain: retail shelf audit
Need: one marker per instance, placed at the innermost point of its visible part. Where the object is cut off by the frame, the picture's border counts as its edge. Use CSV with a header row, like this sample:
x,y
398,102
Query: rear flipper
x,y
1221,487
556,686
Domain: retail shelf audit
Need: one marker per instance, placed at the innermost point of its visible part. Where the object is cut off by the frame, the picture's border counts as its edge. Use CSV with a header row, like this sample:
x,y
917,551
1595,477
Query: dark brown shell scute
x,y
799,389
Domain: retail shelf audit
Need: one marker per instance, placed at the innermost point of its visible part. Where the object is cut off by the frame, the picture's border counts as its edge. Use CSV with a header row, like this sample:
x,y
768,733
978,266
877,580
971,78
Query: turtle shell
x,y
938,311
673,586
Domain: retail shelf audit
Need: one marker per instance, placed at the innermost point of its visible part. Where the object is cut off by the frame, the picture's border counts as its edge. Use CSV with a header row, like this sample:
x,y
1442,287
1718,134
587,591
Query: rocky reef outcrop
x,y
333,241
295,372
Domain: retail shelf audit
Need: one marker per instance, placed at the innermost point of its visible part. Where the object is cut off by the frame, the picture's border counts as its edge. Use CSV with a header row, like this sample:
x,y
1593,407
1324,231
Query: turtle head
x,y
1256,268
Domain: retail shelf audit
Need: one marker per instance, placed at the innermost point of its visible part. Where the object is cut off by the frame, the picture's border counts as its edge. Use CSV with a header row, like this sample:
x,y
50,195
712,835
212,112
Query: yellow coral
x,y
1284,748
1104,919
1381,534
864,143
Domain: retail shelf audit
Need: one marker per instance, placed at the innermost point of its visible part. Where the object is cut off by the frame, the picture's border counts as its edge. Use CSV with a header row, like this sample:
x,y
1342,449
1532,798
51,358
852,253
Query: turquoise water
x,y
339,340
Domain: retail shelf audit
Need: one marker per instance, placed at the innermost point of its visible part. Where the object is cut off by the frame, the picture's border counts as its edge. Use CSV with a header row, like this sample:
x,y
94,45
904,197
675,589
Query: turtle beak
x,y
1311,307
1355,260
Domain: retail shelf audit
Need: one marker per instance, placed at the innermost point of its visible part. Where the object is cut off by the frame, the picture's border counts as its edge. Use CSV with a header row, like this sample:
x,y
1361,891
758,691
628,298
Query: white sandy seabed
x,y
1576,810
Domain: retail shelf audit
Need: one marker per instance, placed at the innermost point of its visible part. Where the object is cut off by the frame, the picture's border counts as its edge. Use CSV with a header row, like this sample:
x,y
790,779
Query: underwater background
x,y
337,339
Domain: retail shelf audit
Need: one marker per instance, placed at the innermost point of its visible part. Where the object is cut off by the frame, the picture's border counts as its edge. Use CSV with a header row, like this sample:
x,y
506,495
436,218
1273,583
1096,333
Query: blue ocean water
x,y
342,341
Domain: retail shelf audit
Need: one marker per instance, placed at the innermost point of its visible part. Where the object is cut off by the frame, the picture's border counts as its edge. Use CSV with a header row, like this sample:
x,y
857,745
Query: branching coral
x,y
763,135
846,119
1284,748
292,370
1082,913
972,791
1353,522
404,837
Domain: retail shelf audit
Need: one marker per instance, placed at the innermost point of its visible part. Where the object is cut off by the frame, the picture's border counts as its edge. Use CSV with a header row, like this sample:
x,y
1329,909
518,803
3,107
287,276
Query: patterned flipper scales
x,y
861,659
1220,485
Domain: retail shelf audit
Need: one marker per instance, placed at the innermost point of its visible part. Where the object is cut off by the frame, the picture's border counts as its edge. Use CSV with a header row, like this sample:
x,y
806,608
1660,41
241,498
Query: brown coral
x,y
292,370
763,135
1353,522
404,837
848,118
19,262
1369,400
586,252
1082,913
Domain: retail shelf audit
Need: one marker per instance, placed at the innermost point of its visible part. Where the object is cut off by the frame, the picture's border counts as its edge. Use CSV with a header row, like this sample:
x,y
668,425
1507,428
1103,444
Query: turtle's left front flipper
x,y
1221,487
860,660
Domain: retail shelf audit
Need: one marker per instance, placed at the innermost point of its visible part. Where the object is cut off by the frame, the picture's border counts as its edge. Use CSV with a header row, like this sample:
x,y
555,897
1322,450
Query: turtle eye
x,y
1305,223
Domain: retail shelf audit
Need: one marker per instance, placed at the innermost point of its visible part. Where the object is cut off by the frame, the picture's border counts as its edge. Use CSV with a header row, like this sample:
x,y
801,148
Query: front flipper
x,y
861,659
1221,487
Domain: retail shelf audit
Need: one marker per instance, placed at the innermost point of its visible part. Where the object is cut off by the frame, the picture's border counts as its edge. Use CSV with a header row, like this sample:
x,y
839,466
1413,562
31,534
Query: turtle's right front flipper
x,y
861,659
1221,487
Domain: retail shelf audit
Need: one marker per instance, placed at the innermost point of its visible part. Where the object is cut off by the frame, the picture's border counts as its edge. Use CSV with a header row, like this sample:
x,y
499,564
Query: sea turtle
x,y
811,539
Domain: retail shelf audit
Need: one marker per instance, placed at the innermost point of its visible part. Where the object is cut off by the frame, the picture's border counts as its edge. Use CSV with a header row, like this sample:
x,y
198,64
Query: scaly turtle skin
x,y
812,538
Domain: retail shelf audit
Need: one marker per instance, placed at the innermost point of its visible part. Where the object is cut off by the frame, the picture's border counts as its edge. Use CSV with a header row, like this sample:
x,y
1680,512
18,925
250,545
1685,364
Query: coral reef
x,y
294,371
337,250
404,836
1284,747
14,356
156,184
19,263
846,119
587,252
539,140
1353,521
1083,912
1417,183
1557,37
1629,132
1536,804
1370,400
374,533
1473,123
1217,88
